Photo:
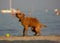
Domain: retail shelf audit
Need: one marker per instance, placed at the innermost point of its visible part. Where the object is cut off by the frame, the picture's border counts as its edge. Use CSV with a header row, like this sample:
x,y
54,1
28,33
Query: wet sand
x,y
30,39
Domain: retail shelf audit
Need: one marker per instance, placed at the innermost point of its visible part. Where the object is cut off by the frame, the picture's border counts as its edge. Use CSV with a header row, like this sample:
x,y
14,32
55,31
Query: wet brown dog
x,y
30,22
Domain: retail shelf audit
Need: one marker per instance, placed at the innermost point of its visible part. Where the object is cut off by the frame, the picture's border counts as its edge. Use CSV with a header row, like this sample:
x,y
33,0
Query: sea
x,y
10,24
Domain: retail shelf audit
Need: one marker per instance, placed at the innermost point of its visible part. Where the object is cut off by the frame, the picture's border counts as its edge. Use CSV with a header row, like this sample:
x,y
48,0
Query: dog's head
x,y
20,15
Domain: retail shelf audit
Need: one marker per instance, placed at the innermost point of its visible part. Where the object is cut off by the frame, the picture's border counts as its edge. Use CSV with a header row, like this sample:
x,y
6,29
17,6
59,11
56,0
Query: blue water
x,y
10,24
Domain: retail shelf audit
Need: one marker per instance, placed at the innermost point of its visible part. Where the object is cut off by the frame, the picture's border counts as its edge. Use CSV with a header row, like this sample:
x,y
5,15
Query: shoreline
x,y
27,38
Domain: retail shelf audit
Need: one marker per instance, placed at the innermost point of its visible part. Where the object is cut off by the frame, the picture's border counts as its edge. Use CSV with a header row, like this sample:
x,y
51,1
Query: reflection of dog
x,y
30,22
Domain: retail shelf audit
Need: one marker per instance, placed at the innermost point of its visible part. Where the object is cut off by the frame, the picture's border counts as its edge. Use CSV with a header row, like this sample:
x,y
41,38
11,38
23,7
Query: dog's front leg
x,y
25,31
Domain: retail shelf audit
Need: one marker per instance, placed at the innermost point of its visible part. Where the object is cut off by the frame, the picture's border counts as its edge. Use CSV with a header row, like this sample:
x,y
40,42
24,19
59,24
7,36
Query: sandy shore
x,y
26,38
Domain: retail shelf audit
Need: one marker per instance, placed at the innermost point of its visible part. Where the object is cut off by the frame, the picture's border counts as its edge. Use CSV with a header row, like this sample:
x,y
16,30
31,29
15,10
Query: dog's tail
x,y
42,25
45,26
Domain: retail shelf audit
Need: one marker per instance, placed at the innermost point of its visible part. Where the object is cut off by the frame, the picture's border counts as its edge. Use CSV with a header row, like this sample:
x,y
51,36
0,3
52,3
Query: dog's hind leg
x,y
37,29
33,30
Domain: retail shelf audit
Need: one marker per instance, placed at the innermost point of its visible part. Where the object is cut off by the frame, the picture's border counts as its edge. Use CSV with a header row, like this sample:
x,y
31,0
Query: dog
x,y
30,22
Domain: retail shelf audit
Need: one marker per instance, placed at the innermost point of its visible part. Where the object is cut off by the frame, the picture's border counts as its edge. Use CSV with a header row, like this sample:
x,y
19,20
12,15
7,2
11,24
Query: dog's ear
x,y
23,14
